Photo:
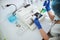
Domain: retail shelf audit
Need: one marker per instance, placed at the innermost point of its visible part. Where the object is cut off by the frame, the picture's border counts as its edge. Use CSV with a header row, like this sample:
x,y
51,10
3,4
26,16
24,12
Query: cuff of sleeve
x,y
40,27
48,9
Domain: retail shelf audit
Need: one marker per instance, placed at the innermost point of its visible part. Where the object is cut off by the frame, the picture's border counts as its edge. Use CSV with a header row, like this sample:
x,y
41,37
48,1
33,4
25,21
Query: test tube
x,y
43,10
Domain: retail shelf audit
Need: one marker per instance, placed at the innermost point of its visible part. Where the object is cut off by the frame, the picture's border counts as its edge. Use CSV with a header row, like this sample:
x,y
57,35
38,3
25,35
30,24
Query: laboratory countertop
x,y
11,32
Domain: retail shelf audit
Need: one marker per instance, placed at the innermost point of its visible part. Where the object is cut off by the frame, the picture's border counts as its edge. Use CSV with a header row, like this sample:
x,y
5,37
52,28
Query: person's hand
x,y
37,23
47,5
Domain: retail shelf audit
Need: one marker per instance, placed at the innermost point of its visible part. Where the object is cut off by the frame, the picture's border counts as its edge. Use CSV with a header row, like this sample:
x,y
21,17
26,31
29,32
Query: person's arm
x,y
51,15
47,6
43,33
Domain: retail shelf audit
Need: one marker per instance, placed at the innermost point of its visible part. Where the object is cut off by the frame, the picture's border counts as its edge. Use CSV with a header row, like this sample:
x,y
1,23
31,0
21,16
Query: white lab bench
x,y
11,32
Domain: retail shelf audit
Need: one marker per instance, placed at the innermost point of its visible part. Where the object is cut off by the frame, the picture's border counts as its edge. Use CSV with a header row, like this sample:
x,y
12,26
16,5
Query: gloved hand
x,y
37,23
47,5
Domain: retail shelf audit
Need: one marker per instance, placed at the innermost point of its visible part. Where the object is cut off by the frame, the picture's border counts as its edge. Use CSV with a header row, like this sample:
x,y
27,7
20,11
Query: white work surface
x,y
11,32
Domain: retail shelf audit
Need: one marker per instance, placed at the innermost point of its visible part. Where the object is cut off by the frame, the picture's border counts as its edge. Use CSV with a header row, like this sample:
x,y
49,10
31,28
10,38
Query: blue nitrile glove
x,y
37,23
47,5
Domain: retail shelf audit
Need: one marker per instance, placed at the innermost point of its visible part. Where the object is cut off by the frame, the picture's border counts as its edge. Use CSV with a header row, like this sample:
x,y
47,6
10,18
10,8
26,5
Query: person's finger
x,y
45,3
48,1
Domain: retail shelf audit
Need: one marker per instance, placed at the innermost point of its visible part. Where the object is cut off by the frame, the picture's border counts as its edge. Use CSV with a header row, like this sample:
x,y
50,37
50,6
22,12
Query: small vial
x,y
43,10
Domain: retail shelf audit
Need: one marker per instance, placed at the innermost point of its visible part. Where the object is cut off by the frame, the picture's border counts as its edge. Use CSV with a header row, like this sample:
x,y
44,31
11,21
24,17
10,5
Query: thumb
x,y
45,3
48,1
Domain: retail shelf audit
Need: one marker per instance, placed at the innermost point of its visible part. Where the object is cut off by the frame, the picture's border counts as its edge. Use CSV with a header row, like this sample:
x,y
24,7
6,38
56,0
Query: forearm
x,y
47,6
44,35
51,15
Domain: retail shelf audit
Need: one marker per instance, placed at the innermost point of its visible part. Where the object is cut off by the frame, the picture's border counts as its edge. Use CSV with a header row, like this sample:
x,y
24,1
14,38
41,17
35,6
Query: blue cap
x,y
56,7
